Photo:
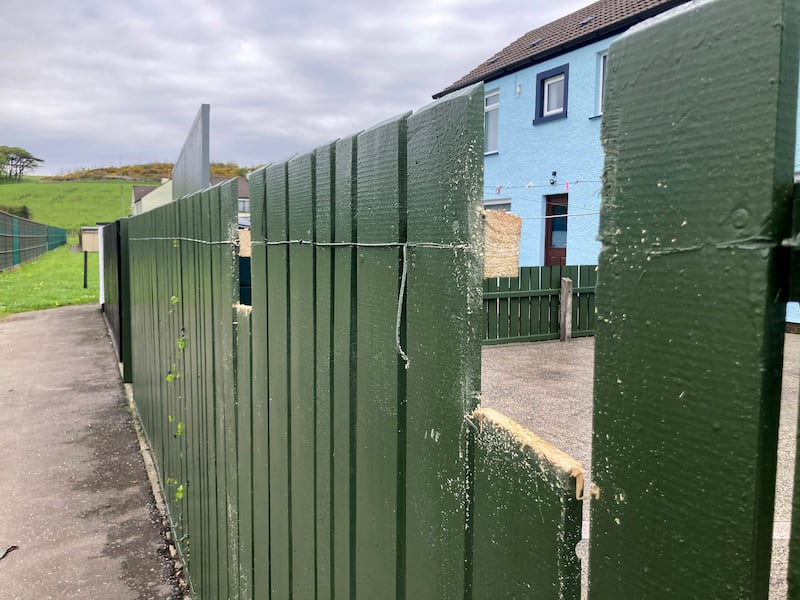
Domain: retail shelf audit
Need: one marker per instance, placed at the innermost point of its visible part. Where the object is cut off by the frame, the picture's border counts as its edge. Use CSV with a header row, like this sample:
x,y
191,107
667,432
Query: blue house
x,y
543,106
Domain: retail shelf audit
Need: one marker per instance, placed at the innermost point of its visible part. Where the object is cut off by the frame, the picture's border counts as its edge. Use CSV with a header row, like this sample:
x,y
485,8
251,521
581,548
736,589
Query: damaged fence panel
x,y
526,513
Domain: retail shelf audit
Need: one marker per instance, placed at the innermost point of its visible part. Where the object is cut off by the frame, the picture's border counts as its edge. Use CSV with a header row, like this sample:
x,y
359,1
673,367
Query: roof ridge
x,y
596,21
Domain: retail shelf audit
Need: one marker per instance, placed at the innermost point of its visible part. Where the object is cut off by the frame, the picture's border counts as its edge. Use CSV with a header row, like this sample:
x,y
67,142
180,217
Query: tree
x,y
14,161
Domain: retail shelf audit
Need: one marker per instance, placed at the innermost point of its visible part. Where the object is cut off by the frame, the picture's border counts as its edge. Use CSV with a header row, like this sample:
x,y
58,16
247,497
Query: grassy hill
x,y
70,204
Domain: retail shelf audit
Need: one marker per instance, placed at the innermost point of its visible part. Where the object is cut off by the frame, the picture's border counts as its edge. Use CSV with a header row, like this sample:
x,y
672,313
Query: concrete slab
x,y
548,386
75,496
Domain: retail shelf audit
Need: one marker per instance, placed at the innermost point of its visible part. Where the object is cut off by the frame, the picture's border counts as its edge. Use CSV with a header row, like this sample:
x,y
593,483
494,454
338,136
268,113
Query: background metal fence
x,y
22,240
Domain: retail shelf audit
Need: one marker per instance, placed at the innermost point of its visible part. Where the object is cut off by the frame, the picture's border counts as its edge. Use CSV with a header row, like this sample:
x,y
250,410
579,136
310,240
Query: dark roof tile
x,y
596,21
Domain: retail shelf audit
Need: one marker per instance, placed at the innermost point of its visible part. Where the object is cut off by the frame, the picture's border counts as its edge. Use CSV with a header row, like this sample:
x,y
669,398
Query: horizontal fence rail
x,y
526,308
22,240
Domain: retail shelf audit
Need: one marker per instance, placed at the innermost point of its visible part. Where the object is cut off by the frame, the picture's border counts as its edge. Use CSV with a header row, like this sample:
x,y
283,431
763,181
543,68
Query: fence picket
x,y
279,409
344,369
687,386
443,374
302,373
324,291
380,388
260,536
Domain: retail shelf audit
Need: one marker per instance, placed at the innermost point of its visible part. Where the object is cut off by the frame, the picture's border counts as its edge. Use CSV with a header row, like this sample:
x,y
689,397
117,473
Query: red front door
x,y
555,232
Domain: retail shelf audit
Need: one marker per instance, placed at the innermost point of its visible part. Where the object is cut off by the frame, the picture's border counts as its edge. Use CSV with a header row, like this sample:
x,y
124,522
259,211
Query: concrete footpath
x,y
74,494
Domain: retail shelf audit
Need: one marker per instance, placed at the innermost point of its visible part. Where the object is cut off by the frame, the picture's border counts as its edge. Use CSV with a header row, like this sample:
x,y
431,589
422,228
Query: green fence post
x,y
698,180
444,325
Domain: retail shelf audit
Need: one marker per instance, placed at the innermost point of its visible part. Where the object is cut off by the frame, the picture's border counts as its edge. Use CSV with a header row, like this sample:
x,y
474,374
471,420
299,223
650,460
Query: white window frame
x,y
489,108
503,204
546,110
602,73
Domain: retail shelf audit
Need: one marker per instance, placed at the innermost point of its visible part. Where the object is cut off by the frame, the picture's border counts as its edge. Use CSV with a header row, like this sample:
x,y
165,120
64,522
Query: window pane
x,y
555,95
490,123
559,231
602,91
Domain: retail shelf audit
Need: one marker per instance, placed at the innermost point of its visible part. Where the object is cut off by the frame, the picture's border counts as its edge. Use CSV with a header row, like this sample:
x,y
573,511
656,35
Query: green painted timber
x,y
527,515
697,188
302,373
526,308
260,537
343,356
324,286
317,445
280,426
443,375
183,285
244,439
380,389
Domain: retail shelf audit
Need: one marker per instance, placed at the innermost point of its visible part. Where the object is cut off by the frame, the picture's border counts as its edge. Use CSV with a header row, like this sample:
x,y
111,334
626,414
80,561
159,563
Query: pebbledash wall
x,y
566,151
529,154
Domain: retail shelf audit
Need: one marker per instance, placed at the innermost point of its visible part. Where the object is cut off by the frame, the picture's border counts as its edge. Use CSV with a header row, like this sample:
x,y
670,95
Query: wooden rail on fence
x,y
526,308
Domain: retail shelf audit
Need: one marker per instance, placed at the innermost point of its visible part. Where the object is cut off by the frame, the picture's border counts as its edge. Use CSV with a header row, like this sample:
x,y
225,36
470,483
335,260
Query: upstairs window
x,y
491,116
602,70
551,94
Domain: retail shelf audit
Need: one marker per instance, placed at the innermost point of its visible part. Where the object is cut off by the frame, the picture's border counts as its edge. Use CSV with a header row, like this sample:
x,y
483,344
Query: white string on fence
x,y
299,242
403,276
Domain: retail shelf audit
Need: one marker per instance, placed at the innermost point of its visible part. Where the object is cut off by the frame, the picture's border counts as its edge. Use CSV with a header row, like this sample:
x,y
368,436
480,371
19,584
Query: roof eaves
x,y
600,33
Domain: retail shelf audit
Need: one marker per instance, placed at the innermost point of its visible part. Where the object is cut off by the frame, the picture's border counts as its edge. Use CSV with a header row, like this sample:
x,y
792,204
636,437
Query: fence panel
x,y
687,386
527,515
183,288
526,308
22,240
317,444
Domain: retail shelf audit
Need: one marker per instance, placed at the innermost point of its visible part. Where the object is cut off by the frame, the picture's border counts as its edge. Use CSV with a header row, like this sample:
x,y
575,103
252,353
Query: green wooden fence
x,y
322,443
691,301
325,442
526,308
22,240
116,285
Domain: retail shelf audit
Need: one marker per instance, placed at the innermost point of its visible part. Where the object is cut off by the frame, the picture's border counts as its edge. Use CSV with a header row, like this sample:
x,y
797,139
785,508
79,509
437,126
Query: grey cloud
x,y
93,83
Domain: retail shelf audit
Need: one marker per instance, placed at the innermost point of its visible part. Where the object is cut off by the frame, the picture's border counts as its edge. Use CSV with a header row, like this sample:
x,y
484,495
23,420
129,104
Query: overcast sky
x,y
91,83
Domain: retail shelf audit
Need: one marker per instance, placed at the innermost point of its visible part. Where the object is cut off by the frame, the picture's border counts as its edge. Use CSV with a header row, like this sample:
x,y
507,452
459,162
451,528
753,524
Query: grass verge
x,y
52,280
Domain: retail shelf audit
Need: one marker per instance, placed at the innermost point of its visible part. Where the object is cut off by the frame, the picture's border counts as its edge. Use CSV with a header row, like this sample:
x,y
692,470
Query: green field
x,y
54,279
70,204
